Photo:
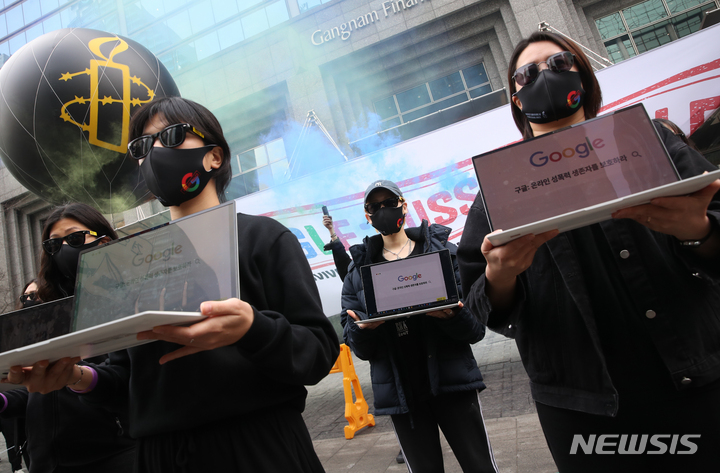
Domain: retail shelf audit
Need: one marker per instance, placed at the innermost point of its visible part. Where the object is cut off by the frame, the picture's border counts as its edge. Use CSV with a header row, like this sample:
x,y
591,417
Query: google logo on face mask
x,y
414,277
191,179
573,99
582,150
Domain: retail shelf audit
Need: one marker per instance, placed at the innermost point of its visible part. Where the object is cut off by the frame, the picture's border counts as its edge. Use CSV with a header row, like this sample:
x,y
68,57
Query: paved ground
x,y
509,412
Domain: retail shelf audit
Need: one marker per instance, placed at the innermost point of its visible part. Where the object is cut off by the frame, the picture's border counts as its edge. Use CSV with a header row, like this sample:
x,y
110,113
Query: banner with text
x,y
679,81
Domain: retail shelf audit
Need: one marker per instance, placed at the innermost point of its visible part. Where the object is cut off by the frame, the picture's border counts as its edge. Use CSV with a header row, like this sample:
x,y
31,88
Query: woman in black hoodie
x,y
63,433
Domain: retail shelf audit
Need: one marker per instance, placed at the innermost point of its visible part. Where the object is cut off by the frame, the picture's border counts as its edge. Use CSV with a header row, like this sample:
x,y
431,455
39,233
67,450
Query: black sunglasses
x,y
373,207
74,239
560,62
30,296
170,137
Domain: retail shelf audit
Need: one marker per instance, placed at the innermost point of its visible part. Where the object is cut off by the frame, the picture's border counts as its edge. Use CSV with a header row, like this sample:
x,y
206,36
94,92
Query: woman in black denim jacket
x,y
617,323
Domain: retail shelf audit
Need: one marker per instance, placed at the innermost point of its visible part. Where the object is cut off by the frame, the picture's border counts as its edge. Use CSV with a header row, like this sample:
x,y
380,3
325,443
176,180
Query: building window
x,y
433,96
650,24
180,32
258,169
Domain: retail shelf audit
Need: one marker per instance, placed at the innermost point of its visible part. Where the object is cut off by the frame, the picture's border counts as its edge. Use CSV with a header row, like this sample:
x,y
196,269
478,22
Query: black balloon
x,y
65,102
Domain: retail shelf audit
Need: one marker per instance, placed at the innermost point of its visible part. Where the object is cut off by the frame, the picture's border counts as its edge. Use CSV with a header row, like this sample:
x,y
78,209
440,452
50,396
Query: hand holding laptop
x,y
370,324
684,217
227,322
43,377
506,262
446,313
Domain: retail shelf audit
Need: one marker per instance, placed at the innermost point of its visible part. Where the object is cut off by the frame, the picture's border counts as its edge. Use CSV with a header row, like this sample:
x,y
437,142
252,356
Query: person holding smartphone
x,y
340,256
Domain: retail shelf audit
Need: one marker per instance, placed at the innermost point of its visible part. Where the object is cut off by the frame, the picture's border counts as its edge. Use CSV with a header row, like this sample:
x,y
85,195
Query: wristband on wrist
x,y
696,243
80,379
93,381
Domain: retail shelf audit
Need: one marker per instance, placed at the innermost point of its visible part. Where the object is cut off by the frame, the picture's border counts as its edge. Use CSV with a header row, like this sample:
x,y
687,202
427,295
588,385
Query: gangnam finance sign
x,y
344,30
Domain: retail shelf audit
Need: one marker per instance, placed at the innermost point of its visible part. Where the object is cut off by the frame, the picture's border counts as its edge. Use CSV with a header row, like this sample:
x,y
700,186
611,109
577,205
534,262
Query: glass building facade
x,y
258,66
647,25
179,32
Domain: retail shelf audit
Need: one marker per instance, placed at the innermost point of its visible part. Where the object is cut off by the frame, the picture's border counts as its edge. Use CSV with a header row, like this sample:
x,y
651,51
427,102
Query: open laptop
x,y
405,287
156,277
578,175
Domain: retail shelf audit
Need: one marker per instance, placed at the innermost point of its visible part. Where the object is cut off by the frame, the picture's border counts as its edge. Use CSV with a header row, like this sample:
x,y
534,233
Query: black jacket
x,y
451,365
340,257
677,297
64,432
290,344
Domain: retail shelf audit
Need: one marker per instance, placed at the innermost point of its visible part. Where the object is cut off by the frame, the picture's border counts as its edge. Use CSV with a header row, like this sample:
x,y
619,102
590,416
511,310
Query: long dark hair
x,y
677,131
19,304
593,95
49,277
180,110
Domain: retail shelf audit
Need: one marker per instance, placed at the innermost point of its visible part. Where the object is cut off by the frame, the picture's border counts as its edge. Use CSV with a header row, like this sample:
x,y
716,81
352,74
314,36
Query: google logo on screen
x,y
414,277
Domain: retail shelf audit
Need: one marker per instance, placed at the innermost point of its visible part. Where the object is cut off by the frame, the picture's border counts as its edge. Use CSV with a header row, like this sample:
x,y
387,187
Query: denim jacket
x,y
552,320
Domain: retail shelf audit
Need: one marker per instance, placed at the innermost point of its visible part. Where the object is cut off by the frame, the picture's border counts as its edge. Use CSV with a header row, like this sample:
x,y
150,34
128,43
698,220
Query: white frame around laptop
x,y
593,213
116,334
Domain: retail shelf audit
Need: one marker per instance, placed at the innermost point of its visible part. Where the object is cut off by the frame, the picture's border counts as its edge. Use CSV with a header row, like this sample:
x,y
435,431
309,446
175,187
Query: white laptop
x,y
578,175
156,277
405,287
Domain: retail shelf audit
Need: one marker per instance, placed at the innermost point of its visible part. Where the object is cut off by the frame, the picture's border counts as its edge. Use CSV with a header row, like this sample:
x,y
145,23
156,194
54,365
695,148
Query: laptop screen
x,y
35,324
595,161
409,284
173,267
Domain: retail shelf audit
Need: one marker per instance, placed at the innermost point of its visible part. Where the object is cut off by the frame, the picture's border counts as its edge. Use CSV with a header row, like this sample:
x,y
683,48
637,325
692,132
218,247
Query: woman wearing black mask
x,y
13,429
424,374
63,433
227,393
29,296
617,323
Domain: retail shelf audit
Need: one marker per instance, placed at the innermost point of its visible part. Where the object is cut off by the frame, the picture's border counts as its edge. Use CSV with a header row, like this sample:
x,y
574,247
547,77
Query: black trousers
x,y
14,432
690,415
273,441
459,415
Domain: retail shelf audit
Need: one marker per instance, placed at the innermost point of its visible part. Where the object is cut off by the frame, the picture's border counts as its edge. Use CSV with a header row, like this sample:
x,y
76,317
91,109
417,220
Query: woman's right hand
x,y
506,262
328,223
43,377
369,325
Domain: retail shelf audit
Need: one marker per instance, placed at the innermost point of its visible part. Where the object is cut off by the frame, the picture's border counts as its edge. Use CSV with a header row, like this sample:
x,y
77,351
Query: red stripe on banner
x,y
322,265
677,77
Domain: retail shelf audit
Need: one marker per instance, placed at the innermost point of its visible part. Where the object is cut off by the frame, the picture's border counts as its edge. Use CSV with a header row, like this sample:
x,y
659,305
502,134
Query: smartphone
x,y
325,210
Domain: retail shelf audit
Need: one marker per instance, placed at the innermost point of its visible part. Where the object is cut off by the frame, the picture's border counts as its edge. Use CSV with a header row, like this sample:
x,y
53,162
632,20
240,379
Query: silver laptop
x,y
405,287
578,175
156,277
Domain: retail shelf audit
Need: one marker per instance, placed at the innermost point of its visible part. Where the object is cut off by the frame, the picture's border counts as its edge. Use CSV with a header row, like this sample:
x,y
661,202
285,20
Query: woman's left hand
x,y
228,321
447,313
684,217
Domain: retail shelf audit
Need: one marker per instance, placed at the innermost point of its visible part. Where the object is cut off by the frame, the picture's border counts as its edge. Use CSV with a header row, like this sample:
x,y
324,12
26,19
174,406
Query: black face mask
x,y
388,220
66,261
176,175
553,96
30,303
